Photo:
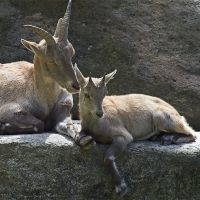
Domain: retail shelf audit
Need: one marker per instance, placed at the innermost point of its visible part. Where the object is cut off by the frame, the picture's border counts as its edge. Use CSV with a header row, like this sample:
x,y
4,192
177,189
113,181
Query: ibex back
x,y
37,97
118,120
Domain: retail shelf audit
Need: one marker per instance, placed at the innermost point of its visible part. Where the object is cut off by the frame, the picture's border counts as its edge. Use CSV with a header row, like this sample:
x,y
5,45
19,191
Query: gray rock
x,y
155,45
51,167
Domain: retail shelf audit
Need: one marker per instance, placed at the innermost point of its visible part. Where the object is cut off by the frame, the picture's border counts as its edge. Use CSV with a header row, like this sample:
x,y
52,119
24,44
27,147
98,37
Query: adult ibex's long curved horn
x,y
63,24
59,28
43,34
66,17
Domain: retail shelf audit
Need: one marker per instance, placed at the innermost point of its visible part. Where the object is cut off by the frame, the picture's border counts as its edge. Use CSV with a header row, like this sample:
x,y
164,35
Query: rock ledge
x,y
50,166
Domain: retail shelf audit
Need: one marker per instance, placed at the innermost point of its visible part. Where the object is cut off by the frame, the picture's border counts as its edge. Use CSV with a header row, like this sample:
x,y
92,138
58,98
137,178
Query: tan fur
x,y
34,95
118,120
20,84
142,115
135,116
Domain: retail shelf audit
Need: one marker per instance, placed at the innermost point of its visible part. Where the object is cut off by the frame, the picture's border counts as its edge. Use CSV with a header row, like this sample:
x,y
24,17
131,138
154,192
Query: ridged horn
x,y
59,27
90,82
43,34
63,24
102,82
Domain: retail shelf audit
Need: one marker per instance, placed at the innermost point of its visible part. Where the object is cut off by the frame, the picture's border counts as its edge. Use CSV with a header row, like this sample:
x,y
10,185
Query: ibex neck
x,y
87,118
46,89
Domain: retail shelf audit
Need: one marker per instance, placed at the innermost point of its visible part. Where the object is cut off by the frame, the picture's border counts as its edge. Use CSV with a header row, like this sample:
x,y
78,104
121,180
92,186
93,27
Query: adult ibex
x,y
36,97
118,120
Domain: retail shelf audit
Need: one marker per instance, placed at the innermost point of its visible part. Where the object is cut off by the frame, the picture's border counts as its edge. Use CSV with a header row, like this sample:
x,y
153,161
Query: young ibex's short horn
x,y
90,82
103,81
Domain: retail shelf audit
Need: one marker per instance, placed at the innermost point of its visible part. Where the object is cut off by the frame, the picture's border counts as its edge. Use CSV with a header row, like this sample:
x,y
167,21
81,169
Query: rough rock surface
x,y
154,44
50,166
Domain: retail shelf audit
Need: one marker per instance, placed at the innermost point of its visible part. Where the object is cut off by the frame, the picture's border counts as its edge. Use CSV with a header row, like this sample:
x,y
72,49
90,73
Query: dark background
x,y
154,44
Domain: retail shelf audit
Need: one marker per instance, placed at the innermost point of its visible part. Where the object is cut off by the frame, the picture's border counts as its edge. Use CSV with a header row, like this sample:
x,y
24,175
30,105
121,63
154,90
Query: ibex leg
x,y
21,122
61,122
14,119
117,147
180,131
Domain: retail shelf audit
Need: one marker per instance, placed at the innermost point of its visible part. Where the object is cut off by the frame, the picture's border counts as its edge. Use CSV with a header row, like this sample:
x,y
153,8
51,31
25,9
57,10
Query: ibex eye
x,y
87,95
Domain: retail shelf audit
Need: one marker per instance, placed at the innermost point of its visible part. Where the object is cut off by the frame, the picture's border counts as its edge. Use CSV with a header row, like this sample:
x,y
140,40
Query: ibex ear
x,y
80,78
110,76
31,46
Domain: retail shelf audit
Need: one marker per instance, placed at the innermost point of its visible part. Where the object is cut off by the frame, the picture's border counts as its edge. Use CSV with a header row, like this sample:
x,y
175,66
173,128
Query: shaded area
x,y
154,44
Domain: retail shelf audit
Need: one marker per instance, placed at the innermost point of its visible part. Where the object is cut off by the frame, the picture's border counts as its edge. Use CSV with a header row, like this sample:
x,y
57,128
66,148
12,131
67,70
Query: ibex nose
x,y
99,114
76,86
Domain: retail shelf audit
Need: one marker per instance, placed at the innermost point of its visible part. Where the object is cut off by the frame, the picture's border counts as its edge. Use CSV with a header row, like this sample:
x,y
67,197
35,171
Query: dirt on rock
x,y
154,44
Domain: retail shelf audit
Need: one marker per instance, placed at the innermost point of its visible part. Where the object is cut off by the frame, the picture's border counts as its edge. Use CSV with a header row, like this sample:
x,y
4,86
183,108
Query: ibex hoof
x,y
4,126
177,139
86,143
35,129
121,189
8,125
167,140
85,140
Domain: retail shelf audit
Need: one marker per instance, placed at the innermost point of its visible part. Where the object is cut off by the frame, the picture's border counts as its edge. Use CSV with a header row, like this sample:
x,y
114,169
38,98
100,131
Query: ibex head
x,y
93,91
56,52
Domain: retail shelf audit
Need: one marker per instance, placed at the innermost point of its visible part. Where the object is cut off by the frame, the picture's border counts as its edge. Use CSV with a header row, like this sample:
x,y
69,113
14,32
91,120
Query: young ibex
x,y
118,120
36,97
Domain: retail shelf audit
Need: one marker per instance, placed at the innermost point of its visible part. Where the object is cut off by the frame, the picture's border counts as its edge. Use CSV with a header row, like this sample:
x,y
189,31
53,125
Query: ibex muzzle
x,y
99,113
